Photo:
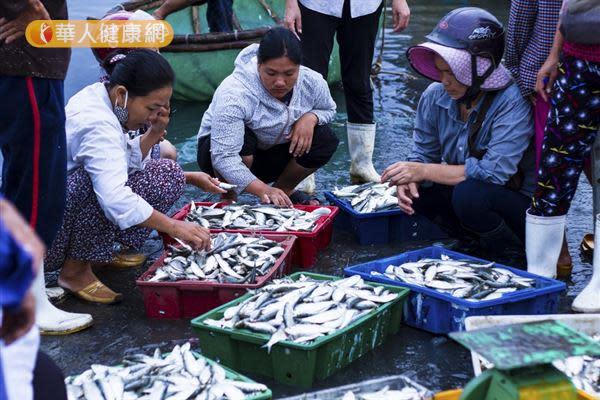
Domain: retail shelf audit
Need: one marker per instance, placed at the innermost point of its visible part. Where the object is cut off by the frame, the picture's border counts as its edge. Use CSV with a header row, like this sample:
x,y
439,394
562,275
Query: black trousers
x,y
33,144
478,206
356,38
269,164
48,380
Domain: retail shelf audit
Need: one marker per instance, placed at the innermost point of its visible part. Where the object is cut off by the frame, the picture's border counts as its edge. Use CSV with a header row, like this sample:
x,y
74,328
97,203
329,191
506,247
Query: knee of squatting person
x,y
267,122
472,129
115,190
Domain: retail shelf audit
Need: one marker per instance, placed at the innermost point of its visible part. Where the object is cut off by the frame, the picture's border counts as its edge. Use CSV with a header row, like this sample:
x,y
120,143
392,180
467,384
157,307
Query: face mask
x,y
121,112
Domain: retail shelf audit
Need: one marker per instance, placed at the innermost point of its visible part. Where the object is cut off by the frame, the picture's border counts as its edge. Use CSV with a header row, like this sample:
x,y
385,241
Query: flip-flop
x,y
96,292
299,197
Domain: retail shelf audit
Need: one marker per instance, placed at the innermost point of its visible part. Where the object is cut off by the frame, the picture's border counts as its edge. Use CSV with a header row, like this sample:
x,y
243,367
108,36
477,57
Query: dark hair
x,y
279,42
140,71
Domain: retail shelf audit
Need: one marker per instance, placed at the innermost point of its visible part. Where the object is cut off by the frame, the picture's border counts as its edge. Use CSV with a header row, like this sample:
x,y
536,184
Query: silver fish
x,y
462,279
256,217
178,376
369,197
234,258
303,310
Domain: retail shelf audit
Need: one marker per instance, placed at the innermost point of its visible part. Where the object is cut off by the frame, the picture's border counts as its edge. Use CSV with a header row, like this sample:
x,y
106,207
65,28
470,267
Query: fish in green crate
x,y
233,258
256,217
181,374
369,197
303,310
406,393
464,279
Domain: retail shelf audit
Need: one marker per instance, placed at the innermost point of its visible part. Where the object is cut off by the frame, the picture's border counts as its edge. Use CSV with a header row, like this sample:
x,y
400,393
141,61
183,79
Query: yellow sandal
x,y
97,292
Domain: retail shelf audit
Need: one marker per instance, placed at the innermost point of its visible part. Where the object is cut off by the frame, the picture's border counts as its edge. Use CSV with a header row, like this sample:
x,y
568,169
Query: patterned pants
x,y
571,129
87,235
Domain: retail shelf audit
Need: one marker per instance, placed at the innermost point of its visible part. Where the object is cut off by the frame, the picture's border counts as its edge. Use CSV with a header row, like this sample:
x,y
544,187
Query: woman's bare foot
x,y
78,278
76,275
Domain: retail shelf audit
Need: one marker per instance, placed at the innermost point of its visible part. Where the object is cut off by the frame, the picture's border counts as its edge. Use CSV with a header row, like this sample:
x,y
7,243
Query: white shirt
x,y
358,8
95,140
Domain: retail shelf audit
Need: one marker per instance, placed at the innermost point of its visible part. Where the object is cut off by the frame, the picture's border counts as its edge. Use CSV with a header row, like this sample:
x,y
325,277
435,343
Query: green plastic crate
x,y
232,375
299,364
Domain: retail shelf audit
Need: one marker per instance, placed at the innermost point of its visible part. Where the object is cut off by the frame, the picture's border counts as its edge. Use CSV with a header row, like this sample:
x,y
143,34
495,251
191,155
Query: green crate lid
x,y
528,344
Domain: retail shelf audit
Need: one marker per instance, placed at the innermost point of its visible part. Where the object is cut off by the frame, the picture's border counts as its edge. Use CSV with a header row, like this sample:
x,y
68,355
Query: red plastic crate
x,y
307,246
188,299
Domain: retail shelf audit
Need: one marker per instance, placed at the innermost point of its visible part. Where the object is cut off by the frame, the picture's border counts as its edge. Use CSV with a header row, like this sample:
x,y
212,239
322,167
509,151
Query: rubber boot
x,y
50,319
543,241
308,185
502,243
588,301
361,143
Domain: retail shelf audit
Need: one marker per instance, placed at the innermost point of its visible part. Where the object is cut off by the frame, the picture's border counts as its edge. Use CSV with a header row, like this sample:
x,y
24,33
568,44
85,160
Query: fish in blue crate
x,y
463,279
369,197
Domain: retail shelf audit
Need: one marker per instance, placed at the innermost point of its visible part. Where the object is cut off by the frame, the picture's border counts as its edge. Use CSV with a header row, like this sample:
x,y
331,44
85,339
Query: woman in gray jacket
x,y
267,122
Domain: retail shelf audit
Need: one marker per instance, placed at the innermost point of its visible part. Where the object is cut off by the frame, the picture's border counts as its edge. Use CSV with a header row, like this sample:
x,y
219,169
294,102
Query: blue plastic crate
x,y
437,312
383,227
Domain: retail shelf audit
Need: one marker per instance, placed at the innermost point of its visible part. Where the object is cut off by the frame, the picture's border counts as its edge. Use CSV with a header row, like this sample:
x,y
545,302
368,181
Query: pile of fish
x,y
179,375
256,217
303,310
583,371
369,197
406,393
463,279
233,258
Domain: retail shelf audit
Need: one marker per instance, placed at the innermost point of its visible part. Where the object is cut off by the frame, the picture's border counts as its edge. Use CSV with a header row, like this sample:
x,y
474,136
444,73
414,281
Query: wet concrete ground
x,y
434,361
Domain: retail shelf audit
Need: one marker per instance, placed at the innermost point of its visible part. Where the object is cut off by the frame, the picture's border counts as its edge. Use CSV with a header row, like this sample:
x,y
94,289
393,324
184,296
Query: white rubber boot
x,y
588,301
50,319
543,241
308,185
361,143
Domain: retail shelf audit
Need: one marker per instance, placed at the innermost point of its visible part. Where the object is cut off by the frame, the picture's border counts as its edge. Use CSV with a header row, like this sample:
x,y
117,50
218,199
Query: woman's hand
x,y
400,15
192,234
159,120
275,196
204,181
546,76
404,172
406,194
293,18
302,133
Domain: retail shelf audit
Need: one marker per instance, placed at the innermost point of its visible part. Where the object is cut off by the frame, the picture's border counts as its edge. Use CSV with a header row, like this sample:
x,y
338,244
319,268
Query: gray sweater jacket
x,y
241,100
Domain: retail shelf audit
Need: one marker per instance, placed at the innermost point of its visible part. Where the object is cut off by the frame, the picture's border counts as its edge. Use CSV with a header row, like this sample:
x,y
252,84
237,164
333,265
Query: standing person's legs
x,y
34,149
32,138
569,136
356,38
318,31
219,14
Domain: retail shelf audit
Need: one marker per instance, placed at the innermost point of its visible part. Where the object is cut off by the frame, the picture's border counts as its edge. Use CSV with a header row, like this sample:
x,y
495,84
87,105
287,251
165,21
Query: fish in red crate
x,y
256,217
233,258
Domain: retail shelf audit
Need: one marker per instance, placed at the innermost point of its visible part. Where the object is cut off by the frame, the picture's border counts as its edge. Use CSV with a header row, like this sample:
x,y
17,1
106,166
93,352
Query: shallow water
x,y
436,361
